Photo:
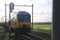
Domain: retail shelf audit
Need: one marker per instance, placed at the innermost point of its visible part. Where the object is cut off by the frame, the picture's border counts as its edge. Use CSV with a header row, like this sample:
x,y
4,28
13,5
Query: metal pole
x,y
9,17
9,23
32,16
5,13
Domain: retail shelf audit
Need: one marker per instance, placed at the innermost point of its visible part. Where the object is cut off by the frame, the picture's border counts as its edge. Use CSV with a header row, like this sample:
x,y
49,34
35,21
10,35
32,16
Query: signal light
x,y
11,6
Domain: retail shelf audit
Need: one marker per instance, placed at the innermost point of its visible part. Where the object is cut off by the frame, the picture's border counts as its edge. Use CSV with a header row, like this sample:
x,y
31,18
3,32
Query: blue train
x,y
22,23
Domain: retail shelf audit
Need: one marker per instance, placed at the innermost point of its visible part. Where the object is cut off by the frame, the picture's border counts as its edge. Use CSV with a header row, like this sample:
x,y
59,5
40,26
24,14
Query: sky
x,y
42,9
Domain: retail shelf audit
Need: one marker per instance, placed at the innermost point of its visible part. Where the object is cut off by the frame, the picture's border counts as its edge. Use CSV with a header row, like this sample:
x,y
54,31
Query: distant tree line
x,y
43,23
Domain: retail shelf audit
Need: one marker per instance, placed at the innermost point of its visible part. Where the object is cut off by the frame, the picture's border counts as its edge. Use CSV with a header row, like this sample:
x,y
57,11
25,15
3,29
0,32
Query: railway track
x,y
19,37
26,37
33,37
43,35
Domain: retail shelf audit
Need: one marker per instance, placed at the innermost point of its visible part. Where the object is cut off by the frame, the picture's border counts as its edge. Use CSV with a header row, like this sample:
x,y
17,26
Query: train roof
x,y
23,13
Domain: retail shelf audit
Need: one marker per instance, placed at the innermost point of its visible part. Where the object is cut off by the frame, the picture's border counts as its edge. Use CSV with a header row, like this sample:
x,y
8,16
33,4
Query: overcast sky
x,y
42,9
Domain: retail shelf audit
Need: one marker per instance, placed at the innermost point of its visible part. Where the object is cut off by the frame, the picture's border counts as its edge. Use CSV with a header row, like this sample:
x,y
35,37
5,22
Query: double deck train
x,y
22,23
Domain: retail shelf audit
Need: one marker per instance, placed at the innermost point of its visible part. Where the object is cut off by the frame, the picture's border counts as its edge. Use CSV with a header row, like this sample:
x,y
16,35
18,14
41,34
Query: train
x,y
22,23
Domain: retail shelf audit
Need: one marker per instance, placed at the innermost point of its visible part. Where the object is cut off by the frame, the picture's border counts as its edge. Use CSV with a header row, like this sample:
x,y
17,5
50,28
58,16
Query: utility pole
x,y
5,13
32,16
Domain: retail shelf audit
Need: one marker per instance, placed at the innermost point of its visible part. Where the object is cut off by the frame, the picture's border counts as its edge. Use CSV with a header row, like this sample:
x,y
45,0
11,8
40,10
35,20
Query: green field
x,y
43,27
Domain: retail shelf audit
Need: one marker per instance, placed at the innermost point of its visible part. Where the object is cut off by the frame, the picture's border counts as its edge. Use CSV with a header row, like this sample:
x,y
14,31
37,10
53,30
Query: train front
x,y
23,23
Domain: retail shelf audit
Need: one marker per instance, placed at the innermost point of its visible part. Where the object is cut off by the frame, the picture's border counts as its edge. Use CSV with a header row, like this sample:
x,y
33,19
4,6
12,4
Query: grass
x,y
43,27
1,31
6,36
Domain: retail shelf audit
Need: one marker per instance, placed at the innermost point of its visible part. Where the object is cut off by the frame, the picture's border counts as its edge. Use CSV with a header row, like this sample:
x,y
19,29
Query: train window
x,y
24,25
28,25
19,25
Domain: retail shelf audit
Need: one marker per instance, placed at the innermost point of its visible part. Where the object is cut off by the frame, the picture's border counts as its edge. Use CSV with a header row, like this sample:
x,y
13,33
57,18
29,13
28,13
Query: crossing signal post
x,y
11,7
